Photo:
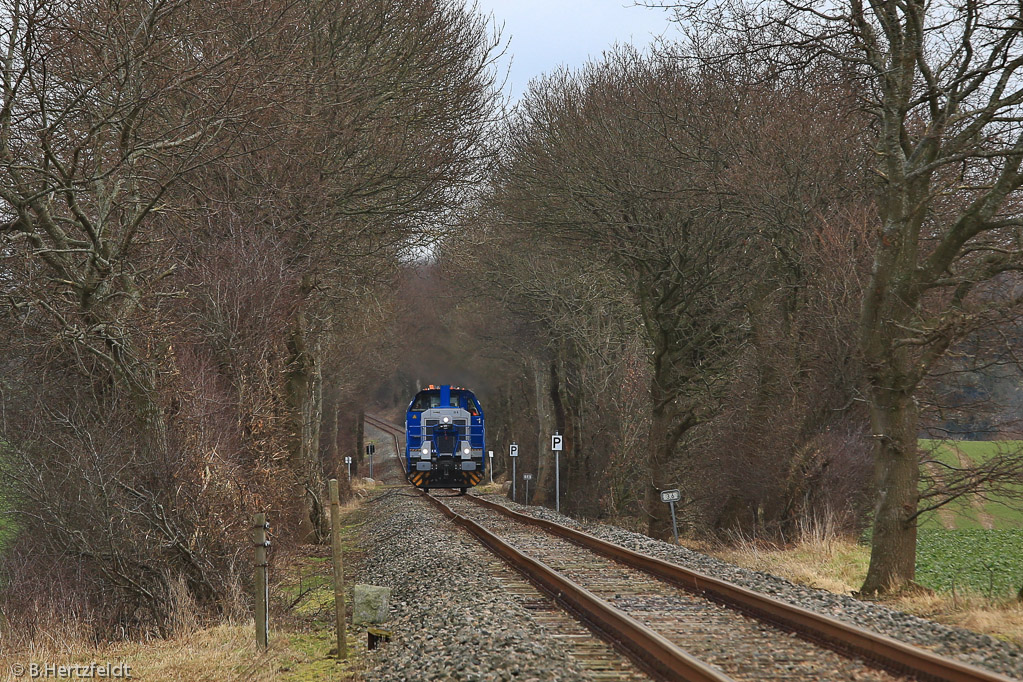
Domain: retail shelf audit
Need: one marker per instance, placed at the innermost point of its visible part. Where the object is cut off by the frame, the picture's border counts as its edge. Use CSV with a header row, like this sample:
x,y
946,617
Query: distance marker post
x,y
261,543
527,478
348,461
339,573
491,453
671,497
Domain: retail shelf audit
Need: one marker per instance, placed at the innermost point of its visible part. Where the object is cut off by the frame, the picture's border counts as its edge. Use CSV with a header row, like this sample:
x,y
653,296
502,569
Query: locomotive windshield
x,y
430,399
426,400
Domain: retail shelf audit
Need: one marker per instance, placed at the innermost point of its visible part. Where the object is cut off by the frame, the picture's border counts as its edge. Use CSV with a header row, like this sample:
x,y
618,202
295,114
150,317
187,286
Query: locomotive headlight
x,y
447,419
425,450
465,451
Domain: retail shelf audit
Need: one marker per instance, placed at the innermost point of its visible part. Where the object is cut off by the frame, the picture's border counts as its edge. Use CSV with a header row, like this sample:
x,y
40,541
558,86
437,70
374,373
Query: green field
x,y
997,513
972,545
988,562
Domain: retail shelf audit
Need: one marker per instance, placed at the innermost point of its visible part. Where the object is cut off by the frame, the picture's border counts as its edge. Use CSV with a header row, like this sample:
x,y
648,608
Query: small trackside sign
x,y
527,477
514,450
671,495
556,441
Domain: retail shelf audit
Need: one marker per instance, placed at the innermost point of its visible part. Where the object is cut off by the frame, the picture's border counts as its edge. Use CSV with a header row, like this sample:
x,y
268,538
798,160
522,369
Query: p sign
x,y
671,495
556,442
513,450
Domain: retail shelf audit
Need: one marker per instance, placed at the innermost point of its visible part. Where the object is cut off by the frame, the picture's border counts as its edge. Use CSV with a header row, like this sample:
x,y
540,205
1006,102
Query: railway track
x,y
388,469
681,625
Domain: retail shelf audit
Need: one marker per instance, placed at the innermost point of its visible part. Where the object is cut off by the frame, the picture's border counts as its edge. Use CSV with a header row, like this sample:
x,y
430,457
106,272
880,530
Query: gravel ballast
x,y
450,618
965,645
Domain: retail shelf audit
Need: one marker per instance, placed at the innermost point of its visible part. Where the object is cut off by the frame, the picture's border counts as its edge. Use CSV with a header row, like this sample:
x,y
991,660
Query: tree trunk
x,y
889,305
893,417
544,483
306,406
659,457
150,417
360,443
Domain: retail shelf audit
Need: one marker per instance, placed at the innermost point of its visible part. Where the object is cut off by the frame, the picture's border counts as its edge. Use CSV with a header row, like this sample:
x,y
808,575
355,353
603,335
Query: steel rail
x,y
648,649
843,637
394,431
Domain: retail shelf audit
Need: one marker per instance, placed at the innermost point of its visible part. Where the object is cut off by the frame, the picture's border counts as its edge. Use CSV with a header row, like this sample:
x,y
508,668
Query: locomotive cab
x,y
444,436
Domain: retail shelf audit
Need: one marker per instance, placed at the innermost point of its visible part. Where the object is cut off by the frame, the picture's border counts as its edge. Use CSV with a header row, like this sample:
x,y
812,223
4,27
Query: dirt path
x,y
976,502
946,516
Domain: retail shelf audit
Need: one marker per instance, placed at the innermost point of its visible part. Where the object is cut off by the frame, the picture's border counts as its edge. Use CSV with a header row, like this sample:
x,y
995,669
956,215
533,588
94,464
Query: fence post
x,y
259,527
339,574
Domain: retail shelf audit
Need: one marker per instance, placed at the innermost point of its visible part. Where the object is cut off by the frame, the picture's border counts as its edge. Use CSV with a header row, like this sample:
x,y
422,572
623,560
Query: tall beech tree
x,y
943,84
193,199
621,158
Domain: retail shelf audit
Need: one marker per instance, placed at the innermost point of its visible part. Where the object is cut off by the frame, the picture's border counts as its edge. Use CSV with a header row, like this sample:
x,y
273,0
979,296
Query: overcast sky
x,y
546,34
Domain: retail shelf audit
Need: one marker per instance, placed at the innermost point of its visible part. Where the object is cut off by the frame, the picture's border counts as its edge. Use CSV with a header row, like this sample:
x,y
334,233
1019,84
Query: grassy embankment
x,y
301,624
970,555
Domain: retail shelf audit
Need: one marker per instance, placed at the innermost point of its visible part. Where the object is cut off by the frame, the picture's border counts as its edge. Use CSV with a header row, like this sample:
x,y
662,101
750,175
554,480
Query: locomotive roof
x,y
433,389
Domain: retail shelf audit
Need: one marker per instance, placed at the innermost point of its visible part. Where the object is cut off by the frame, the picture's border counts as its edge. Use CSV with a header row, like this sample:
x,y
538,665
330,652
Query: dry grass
x,y
223,652
821,559
300,643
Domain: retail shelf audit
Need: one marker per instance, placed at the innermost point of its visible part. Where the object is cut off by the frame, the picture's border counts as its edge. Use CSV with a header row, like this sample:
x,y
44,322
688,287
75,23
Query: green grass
x,y
988,562
982,551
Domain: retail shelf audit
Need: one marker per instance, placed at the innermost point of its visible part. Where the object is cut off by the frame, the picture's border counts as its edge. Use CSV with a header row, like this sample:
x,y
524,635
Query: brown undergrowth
x,y
301,641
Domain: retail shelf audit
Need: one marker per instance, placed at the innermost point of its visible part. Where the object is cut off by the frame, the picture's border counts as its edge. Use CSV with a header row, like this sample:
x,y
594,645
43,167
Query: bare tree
x,y
193,201
620,158
943,86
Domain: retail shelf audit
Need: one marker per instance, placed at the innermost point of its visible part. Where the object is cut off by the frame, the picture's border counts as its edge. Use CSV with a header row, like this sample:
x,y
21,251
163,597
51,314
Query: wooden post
x,y
259,526
339,574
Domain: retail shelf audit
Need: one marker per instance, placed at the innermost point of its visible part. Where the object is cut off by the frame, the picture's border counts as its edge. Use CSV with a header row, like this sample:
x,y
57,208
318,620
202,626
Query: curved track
x,y
387,469
651,609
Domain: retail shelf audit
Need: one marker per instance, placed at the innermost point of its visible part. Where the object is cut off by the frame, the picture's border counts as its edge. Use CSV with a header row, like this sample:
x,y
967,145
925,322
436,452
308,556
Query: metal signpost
x,y
556,442
348,461
671,497
527,478
514,454
370,449
491,453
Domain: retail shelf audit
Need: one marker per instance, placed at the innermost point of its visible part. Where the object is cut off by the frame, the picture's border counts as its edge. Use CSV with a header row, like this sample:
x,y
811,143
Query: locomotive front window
x,y
426,401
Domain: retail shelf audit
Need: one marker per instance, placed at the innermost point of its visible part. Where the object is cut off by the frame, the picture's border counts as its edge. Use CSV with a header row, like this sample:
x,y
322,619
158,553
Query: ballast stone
x,y
370,604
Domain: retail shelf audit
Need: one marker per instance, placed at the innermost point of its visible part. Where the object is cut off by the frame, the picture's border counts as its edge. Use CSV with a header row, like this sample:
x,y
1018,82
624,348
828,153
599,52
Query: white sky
x,y
546,34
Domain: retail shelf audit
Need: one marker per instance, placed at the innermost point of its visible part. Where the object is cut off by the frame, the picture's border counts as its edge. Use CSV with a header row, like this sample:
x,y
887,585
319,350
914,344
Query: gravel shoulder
x,y
971,647
452,616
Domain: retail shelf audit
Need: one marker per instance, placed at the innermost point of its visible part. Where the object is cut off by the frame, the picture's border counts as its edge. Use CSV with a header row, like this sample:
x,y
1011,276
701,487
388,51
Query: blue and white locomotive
x,y
444,438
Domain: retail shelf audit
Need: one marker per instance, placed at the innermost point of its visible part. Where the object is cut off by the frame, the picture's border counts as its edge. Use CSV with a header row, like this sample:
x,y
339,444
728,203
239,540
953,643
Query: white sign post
x,y
671,497
556,443
527,478
514,454
348,461
491,453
